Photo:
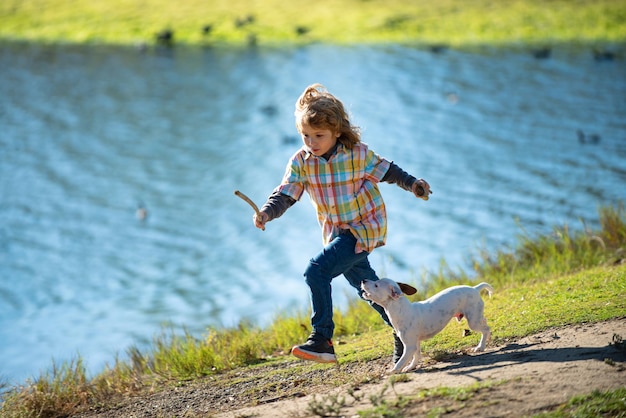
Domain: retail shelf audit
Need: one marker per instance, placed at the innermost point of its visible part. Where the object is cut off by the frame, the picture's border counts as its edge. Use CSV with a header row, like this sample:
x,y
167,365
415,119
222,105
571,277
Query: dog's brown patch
x,y
407,289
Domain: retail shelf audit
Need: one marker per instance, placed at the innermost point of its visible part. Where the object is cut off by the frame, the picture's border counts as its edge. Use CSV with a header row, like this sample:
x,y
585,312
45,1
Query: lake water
x,y
89,134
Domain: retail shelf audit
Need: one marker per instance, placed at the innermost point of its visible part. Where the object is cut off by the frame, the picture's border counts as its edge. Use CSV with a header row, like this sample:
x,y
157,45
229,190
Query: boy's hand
x,y
421,189
260,219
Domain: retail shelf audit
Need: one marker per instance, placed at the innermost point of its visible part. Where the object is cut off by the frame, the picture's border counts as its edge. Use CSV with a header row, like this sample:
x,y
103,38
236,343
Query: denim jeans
x,y
336,258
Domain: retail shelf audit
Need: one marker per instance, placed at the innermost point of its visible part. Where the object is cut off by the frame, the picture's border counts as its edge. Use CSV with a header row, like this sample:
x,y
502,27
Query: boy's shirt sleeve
x,y
375,166
293,182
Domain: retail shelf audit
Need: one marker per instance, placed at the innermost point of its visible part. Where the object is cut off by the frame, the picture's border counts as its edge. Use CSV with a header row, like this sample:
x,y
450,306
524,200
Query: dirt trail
x,y
540,372
521,378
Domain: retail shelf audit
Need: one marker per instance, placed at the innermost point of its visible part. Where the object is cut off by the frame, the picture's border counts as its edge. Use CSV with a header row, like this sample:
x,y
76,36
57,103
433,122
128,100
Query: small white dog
x,y
414,322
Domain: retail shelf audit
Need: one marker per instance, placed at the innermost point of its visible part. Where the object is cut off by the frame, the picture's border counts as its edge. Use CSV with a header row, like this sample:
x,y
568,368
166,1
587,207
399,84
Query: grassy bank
x,y
455,23
566,277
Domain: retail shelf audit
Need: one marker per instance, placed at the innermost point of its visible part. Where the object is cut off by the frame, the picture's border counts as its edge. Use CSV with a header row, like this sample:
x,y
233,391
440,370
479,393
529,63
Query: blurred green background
x,y
454,23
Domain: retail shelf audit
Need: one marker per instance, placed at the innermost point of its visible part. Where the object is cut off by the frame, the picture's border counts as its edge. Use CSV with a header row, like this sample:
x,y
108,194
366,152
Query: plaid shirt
x,y
344,192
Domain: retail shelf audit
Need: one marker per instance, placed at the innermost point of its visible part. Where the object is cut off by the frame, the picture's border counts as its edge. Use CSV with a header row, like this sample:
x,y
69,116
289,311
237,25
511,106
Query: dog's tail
x,y
485,286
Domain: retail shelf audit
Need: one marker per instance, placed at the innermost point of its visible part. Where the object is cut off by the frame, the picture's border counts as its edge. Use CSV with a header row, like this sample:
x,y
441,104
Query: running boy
x,y
340,174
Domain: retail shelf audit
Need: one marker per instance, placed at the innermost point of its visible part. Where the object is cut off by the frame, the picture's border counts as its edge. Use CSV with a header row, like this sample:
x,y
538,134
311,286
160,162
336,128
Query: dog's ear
x,y
394,292
407,289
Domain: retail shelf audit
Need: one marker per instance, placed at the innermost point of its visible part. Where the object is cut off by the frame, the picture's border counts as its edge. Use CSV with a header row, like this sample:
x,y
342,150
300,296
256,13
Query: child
x,y
340,174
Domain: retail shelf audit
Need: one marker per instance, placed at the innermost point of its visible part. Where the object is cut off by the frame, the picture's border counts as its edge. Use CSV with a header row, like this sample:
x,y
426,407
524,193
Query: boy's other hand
x,y
421,189
260,220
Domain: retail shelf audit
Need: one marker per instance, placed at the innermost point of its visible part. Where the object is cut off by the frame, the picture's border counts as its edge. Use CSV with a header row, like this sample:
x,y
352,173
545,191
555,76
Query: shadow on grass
x,y
534,352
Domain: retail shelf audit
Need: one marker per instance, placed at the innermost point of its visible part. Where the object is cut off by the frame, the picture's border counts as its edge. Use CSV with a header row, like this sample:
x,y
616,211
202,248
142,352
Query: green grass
x,y
455,23
610,403
566,277
390,408
591,295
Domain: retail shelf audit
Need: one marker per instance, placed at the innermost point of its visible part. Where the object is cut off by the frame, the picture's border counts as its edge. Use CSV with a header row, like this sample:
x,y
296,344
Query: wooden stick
x,y
251,203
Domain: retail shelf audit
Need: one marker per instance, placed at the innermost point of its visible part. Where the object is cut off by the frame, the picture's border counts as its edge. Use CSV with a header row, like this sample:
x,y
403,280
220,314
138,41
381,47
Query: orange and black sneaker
x,y
316,348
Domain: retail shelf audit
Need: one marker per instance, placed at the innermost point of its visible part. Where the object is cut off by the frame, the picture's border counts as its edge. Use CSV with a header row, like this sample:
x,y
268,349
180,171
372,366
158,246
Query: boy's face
x,y
318,141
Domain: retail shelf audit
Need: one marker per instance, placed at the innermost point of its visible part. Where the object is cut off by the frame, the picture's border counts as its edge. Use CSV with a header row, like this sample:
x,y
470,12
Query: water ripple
x,y
91,134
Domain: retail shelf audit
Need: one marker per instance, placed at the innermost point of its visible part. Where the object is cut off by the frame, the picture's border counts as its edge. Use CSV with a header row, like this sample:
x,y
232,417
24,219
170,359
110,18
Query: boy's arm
x,y
396,175
276,205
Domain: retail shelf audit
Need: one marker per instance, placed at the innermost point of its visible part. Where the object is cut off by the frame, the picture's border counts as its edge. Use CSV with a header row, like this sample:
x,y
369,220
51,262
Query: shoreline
x,y
608,51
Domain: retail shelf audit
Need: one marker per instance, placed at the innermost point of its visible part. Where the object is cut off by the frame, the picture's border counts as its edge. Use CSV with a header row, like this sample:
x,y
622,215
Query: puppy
x,y
414,322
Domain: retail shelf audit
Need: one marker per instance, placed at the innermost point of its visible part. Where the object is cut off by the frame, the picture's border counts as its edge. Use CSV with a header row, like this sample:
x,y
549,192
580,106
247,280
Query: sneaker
x,y
317,349
398,348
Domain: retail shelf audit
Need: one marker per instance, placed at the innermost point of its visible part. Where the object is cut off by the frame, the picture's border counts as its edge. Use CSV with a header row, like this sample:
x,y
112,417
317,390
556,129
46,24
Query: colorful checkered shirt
x,y
344,192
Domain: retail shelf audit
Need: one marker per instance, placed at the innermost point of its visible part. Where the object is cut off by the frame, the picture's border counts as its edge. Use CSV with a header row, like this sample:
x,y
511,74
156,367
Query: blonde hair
x,y
317,108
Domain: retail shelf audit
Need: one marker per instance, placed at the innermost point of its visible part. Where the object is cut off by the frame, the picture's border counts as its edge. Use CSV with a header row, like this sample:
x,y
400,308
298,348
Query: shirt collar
x,y
336,149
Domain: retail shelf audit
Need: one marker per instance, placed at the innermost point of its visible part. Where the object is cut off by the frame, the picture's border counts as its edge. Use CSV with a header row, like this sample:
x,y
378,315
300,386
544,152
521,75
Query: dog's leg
x,y
415,360
411,352
481,326
397,368
408,354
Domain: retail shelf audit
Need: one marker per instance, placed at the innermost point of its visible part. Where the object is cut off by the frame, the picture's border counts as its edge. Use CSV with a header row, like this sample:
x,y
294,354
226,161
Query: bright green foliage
x,y
538,257
450,22
611,403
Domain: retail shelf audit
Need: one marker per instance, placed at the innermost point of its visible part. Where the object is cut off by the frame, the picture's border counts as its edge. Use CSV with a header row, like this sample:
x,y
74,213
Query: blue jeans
x,y
336,258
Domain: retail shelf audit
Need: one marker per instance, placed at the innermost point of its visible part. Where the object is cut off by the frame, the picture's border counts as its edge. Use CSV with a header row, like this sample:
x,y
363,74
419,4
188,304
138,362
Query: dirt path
x,y
518,378
539,373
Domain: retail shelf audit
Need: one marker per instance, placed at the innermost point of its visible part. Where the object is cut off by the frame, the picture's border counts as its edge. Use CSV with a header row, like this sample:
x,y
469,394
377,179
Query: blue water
x,y
89,134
